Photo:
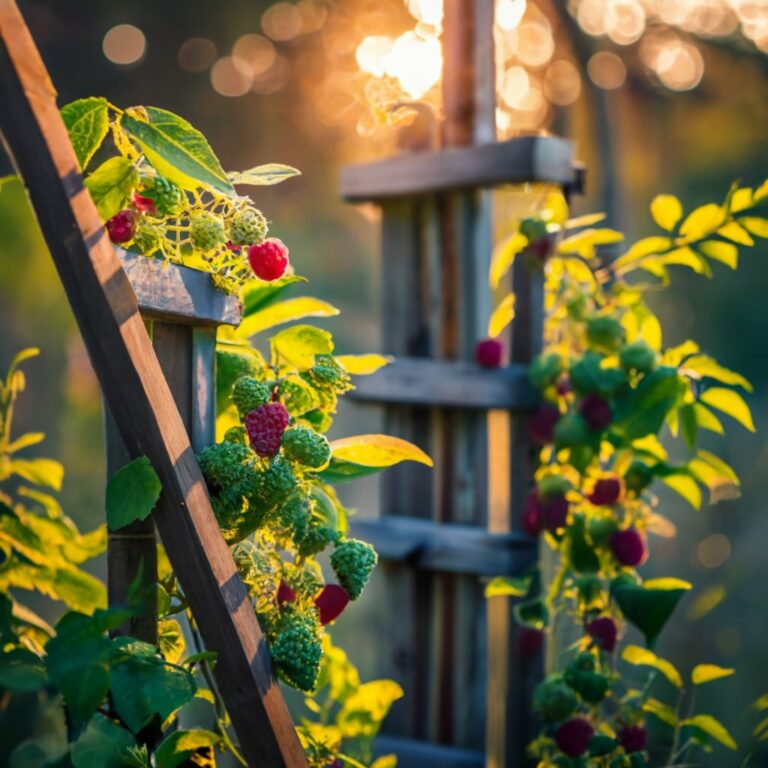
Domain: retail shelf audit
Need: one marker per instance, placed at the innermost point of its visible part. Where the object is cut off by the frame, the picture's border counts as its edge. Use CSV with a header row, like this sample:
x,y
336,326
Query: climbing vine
x,y
610,390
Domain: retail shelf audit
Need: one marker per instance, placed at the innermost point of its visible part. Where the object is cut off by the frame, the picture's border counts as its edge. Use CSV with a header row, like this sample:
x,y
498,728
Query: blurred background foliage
x,y
659,95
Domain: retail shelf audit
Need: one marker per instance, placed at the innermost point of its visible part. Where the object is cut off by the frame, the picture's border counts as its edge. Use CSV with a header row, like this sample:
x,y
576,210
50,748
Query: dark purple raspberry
x,y
122,226
573,736
331,602
265,426
541,426
607,491
530,641
285,594
489,353
564,386
634,738
541,248
596,412
629,547
604,632
544,514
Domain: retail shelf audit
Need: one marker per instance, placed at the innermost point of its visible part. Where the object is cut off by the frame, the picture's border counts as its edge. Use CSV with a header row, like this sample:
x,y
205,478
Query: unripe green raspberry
x,y
554,700
306,446
319,419
230,366
533,228
275,484
313,536
544,370
638,356
295,512
298,649
247,226
224,466
605,333
327,373
236,435
352,562
207,232
168,198
147,238
248,394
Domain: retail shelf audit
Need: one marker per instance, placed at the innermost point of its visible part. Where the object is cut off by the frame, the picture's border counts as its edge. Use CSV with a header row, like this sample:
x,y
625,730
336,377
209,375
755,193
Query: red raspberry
x,y
234,248
144,204
541,426
269,259
331,602
544,515
573,736
603,631
629,547
596,412
634,738
541,248
489,353
607,491
285,594
122,226
530,641
265,426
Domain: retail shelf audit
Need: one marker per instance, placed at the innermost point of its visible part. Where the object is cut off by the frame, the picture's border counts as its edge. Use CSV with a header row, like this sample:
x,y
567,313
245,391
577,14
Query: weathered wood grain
x,y
138,396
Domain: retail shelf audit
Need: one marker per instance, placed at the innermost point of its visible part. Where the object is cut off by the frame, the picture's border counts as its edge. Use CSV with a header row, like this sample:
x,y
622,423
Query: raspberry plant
x,y
610,389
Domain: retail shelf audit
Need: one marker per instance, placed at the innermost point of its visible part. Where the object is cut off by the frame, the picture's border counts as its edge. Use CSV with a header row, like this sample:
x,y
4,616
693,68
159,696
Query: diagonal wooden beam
x,y
138,396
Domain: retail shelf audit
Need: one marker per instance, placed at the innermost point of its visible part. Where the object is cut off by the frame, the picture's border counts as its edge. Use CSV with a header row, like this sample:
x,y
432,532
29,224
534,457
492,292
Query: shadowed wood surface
x,y
139,397
420,754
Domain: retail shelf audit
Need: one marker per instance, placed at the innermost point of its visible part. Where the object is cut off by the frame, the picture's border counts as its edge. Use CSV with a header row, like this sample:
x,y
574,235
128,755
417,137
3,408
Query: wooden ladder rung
x,y
448,384
421,754
448,547
523,160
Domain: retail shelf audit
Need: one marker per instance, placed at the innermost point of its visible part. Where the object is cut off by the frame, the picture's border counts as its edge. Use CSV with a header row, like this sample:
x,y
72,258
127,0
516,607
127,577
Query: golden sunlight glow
x,y
124,44
509,14
426,11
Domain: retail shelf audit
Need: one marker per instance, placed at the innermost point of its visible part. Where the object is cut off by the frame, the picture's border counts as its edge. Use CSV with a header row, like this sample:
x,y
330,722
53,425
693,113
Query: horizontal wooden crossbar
x,y
525,159
448,384
172,292
448,547
421,754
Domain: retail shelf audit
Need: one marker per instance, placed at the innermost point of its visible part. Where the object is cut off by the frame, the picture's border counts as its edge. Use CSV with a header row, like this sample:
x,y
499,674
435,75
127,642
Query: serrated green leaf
x,y
21,670
111,184
297,346
285,311
730,403
176,149
104,744
504,256
689,424
132,493
263,175
377,451
711,727
705,673
87,122
507,586
502,316
666,211
363,365
637,656
702,221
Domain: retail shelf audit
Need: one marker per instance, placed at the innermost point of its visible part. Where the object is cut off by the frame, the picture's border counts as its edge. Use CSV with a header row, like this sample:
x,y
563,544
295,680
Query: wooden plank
x,y
138,396
520,160
448,384
420,754
178,294
448,547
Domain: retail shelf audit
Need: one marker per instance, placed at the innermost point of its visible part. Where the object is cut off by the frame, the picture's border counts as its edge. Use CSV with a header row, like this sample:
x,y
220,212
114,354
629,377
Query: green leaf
x,y
45,472
87,122
502,316
703,366
176,749
648,606
377,451
507,586
730,403
705,673
702,221
104,744
111,184
689,424
662,711
284,312
363,365
726,253
132,493
642,657
339,471
21,670
176,149
258,294
666,211
532,613
711,727
504,256
263,175
8,180
297,346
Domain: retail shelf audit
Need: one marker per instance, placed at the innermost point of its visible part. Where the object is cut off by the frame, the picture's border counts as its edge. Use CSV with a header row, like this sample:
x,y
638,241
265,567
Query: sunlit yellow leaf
x,y
705,673
508,586
286,311
377,451
707,420
726,253
755,225
584,243
555,208
504,256
664,712
711,727
685,486
584,221
362,365
741,199
706,602
502,316
761,191
735,232
702,221
730,403
644,247
700,366
666,211
642,657
667,583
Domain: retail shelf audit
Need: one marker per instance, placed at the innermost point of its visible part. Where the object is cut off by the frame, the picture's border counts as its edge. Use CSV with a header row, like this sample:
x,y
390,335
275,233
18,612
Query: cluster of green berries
x,y
352,562
298,649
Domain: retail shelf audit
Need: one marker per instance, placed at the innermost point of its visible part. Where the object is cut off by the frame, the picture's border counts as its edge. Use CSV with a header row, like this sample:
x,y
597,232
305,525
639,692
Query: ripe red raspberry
x,y
232,247
573,736
265,426
541,426
629,547
596,412
544,514
285,594
122,226
634,738
269,259
144,204
607,491
604,632
530,641
489,353
331,602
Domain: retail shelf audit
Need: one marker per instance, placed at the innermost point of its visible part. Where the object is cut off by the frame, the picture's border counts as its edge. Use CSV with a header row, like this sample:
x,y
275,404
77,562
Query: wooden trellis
x,y
467,702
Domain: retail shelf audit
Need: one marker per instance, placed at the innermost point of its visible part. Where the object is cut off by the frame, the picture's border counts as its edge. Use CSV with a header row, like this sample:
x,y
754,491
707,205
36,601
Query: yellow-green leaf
x,y
699,366
666,211
667,583
39,471
504,256
584,243
507,586
702,221
685,486
87,122
362,365
726,253
711,727
378,451
707,420
730,403
502,316
263,175
298,345
286,311
642,248
642,657
110,184
705,673
664,712
736,233
755,225
555,208
584,221
706,602
25,441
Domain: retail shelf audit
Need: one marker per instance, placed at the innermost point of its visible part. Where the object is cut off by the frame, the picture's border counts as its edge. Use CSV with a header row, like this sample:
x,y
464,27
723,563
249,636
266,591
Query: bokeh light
x,y
124,44
713,551
606,70
231,76
197,54
282,21
562,83
256,51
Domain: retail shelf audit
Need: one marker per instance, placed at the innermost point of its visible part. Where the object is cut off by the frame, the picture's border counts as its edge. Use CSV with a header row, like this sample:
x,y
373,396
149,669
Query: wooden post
x,y
138,396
